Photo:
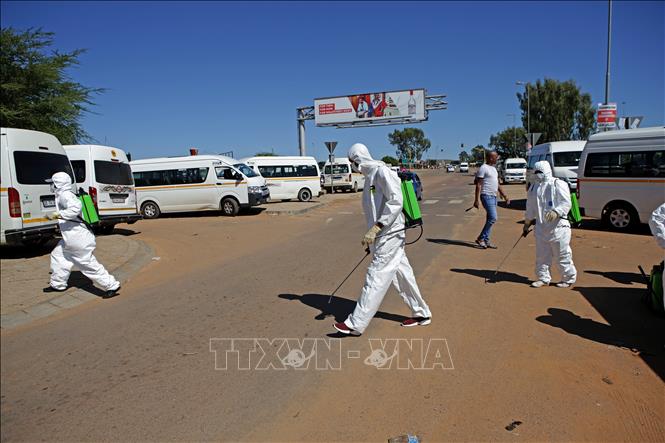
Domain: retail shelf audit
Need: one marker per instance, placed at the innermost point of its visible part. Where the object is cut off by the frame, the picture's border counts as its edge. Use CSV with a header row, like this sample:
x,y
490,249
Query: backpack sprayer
x,y
412,219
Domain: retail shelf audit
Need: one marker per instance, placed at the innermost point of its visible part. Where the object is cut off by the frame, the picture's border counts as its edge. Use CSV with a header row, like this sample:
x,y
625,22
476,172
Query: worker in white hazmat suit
x,y
77,244
657,225
547,205
382,203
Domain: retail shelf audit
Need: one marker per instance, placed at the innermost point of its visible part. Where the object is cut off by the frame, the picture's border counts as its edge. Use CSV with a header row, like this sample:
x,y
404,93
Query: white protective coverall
x,y
657,225
382,202
77,244
552,237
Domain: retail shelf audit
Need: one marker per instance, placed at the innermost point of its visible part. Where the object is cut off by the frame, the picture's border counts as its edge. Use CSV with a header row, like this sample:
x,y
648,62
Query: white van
x,y
104,173
513,170
27,159
464,167
196,183
564,158
622,176
341,176
288,177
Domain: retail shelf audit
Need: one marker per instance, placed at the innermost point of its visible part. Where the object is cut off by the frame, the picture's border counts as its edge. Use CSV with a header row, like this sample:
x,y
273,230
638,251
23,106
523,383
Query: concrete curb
x,y
294,211
74,297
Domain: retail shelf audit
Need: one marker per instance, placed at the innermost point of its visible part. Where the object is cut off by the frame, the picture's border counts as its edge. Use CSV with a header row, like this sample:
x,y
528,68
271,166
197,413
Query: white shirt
x,y
490,178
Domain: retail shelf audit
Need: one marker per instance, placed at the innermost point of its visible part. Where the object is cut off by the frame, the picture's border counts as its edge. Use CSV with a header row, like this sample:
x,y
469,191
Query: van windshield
x,y
249,172
516,165
113,173
568,158
337,169
34,168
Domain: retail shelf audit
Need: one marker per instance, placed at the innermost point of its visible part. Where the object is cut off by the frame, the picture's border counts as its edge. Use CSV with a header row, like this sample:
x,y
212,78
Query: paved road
x,y
140,366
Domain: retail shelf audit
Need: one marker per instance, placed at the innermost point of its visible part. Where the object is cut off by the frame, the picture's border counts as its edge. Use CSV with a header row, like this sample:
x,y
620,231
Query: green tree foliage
x,y
478,153
464,156
410,143
511,142
390,160
35,91
558,110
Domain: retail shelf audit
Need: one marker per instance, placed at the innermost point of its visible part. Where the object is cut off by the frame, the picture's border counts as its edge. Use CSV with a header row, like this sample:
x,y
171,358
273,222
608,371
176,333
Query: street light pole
x,y
609,47
528,108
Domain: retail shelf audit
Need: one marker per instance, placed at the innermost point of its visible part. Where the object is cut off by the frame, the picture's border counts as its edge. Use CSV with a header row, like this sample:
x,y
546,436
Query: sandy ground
x,y
583,364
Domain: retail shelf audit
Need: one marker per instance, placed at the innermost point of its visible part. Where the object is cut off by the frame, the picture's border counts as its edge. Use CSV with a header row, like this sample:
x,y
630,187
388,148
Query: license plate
x,y
118,200
48,203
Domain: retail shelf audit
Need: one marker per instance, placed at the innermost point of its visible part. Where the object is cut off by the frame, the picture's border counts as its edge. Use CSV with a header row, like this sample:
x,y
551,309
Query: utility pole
x,y
609,48
528,108
514,153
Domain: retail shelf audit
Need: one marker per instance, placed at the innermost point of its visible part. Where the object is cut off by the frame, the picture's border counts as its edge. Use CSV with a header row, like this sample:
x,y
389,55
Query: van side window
x,y
625,164
306,171
225,173
79,170
171,177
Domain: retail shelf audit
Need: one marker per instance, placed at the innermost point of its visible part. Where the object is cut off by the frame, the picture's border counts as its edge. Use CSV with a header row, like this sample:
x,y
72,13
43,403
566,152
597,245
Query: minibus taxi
x,y
341,176
288,177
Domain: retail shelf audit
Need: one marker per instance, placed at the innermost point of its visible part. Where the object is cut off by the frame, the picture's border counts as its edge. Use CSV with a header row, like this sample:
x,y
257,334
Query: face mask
x,y
355,166
540,177
52,186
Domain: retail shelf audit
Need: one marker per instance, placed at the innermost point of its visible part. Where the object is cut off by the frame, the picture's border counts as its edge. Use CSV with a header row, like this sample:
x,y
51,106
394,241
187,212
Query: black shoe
x,y
52,289
111,293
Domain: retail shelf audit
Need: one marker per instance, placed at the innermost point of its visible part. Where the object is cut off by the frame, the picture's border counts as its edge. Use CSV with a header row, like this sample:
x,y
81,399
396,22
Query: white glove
x,y
370,237
53,216
550,216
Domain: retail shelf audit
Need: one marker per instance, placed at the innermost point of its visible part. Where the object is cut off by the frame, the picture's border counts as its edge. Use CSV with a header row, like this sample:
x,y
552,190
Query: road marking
x,y
455,202
444,215
345,213
430,202
329,220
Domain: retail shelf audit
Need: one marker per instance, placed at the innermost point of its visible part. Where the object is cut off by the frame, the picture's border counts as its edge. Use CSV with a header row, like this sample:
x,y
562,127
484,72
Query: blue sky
x,y
228,76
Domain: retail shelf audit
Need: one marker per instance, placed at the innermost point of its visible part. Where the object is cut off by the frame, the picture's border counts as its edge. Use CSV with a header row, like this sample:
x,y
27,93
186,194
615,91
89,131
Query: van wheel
x,y
620,217
230,207
355,187
150,210
304,195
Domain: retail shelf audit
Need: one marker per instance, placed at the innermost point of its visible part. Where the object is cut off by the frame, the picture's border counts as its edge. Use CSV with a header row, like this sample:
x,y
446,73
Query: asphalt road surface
x,y
151,364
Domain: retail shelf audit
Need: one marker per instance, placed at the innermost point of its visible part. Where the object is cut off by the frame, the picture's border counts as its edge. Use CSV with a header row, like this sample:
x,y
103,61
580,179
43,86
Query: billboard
x,y
373,108
606,116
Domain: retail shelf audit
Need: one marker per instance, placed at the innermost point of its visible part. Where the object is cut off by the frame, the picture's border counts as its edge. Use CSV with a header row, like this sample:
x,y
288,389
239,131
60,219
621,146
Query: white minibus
x,y
464,167
622,176
27,159
512,170
564,158
196,183
288,177
341,176
104,173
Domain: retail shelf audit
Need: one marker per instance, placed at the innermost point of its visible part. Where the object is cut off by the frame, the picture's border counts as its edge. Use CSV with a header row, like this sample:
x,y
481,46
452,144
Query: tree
x,y
389,160
558,110
35,91
478,153
511,142
411,143
265,154
464,156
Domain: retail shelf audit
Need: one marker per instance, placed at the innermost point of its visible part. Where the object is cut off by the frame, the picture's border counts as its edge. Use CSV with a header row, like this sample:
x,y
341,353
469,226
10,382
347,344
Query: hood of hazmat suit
x,y
78,243
382,203
657,225
553,237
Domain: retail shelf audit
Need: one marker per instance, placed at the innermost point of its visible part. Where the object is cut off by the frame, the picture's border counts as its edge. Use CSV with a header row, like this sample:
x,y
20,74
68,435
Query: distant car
x,y
450,168
417,184
464,167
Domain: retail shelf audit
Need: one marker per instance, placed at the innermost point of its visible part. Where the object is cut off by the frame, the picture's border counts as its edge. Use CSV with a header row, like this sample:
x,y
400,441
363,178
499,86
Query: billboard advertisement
x,y
372,108
606,116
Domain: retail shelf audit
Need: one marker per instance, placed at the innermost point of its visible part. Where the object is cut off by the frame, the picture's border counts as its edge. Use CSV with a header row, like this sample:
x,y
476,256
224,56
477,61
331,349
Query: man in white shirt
x,y
487,186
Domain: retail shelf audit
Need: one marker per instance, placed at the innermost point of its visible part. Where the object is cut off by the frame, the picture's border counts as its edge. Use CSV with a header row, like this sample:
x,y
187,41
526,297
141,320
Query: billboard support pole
x,y
305,113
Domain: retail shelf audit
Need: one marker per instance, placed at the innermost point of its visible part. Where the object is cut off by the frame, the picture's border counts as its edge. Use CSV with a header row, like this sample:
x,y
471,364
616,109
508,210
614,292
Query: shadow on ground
x,y
590,224
28,251
79,281
631,324
124,232
516,205
625,278
491,276
445,241
212,214
338,308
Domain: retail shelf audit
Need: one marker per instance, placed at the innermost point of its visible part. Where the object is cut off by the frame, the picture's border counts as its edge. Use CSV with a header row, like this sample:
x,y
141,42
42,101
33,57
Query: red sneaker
x,y
341,327
416,321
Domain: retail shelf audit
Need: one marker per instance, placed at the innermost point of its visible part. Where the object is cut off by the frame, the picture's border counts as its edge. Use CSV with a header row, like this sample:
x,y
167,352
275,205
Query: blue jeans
x,y
489,203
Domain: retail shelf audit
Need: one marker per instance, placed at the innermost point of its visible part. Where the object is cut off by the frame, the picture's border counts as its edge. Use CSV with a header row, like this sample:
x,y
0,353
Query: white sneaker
x,y
563,285
538,284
